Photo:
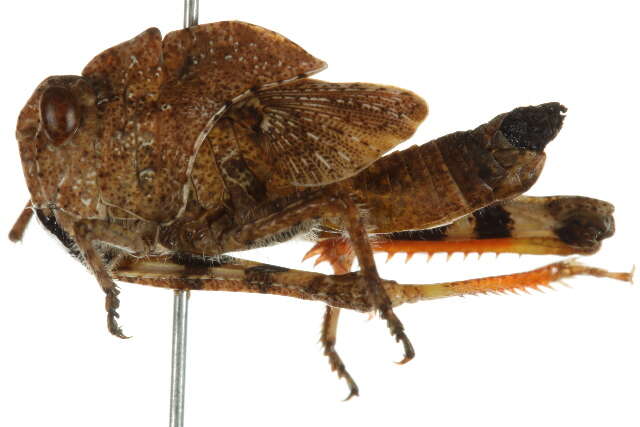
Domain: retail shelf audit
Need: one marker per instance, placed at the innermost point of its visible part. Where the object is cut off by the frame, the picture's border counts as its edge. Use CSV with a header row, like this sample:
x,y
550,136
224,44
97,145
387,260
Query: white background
x,y
569,357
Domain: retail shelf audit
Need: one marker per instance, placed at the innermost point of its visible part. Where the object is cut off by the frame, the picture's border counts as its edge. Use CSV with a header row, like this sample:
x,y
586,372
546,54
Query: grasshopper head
x,y
56,134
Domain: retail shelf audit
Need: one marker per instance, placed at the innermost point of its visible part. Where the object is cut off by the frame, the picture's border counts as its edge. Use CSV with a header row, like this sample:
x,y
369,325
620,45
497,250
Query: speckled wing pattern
x,y
316,132
160,98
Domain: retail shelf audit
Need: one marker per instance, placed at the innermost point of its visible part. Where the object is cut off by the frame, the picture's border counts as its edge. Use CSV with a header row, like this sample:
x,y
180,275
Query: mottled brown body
x,y
168,152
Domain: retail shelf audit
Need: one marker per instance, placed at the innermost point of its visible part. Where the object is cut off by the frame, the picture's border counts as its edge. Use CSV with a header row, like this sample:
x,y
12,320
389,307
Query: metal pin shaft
x,y
178,357
190,13
180,303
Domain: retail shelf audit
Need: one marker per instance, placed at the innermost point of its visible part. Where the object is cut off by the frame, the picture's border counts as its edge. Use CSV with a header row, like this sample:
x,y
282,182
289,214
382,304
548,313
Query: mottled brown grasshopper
x,y
165,154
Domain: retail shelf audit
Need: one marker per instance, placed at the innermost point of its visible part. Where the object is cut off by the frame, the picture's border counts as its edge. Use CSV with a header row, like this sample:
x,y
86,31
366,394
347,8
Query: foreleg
x,y
89,234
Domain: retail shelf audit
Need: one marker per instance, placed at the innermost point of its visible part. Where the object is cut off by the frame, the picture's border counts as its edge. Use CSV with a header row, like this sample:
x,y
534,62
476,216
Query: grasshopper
x,y
167,153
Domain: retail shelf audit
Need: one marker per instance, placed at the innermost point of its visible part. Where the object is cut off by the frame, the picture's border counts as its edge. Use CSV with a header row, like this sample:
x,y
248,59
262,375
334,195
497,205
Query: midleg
x,y
329,335
380,299
328,340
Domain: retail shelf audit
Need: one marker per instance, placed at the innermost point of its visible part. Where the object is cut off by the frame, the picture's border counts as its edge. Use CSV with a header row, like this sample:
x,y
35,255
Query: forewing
x,y
316,133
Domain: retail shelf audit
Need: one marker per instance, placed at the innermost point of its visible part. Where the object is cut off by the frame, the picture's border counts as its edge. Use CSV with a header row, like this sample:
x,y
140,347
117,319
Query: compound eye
x,y
59,114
